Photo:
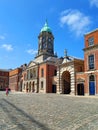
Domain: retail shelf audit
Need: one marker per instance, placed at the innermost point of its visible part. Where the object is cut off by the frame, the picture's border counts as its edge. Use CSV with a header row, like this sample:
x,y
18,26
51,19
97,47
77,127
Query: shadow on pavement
x,y
14,118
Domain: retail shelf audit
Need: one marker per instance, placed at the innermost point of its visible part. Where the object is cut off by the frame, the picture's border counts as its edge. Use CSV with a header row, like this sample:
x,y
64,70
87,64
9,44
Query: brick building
x,y
4,79
90,76
67,75
49,74
14,76
38,75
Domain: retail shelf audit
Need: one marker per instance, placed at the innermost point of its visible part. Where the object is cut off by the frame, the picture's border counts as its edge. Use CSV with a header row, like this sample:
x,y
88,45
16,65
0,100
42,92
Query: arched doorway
x,y
33,86
91,85
80,89
66,83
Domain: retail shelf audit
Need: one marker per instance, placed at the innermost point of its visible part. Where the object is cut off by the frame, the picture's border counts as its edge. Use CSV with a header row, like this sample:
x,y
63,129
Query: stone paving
x,y
32,111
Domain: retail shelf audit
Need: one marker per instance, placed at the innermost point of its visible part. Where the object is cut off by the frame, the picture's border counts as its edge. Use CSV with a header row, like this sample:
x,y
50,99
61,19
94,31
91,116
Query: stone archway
x,y
66,88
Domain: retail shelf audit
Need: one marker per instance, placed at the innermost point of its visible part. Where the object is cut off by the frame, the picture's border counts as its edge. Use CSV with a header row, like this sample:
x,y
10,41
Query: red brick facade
x,y
90,75
14,79
49,71
4,79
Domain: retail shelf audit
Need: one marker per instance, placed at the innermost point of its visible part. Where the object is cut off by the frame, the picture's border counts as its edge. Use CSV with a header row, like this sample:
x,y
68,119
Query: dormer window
x,y
91,41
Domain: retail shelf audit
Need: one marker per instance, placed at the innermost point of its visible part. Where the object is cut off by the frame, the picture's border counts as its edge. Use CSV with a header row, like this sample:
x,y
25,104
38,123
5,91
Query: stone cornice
x,y
91,47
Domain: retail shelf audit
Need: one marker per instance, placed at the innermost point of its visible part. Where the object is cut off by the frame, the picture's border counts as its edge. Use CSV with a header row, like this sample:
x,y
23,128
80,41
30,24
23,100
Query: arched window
x,y
91,78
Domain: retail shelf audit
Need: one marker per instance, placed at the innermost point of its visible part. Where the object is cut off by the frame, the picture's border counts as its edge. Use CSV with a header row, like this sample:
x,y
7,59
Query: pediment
x,y
31,64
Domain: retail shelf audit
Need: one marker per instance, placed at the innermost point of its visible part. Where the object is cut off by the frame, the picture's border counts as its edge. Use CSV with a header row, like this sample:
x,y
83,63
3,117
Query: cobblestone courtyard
x,y
29,111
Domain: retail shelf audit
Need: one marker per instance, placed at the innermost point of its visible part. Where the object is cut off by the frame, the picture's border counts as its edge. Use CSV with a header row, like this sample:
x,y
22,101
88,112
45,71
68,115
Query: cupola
x,y
46,28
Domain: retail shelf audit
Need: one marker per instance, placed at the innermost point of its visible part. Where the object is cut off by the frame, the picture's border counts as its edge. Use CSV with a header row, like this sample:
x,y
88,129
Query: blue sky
x,y
22,20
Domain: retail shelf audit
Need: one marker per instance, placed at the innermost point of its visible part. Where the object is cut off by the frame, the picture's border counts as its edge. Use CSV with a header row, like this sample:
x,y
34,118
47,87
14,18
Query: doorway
x,y
66,82
53,88
91,85
80,89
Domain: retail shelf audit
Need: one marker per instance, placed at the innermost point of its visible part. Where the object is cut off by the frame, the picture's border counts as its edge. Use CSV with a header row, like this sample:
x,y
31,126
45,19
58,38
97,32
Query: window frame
x,y
91,63
91,41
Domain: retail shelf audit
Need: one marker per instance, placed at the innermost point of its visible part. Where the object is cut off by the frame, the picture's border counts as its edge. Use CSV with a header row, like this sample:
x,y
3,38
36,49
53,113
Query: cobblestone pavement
x,y
31,111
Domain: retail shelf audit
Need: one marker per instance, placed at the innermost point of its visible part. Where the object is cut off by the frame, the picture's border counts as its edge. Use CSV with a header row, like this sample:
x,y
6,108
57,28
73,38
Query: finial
x,y
65,52
46,22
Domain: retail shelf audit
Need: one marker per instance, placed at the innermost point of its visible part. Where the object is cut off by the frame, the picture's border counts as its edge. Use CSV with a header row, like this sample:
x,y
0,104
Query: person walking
x,y
7,91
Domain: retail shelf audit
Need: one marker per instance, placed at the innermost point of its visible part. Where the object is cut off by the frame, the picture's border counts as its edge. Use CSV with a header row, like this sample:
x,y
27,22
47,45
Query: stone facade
x,y
66,75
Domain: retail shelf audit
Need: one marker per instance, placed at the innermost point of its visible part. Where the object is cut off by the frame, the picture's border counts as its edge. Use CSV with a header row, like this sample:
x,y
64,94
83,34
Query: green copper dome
x,y
46,28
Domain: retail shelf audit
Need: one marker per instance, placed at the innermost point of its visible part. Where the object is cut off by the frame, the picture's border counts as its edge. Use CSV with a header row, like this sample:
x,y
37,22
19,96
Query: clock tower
x,y
45,43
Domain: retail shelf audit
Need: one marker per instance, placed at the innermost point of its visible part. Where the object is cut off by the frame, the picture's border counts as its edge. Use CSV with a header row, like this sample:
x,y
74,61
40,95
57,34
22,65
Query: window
x,y
42,85
34,73
91,41
42,72
91,61
91,78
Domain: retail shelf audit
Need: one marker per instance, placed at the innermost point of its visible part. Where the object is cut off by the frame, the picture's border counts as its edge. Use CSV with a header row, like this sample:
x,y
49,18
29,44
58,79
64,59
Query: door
x,y
53,88
80,89
92,88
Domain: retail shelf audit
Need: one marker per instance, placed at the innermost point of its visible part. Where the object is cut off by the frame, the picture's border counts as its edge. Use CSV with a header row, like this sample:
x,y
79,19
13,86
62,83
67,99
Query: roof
x,y
91,31
70,58
46,28
4,70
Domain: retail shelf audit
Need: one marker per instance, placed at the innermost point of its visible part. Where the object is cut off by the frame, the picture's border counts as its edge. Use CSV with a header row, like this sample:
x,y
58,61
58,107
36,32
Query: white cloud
x,y
94,3
2,37
75,20
7,47
31,51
